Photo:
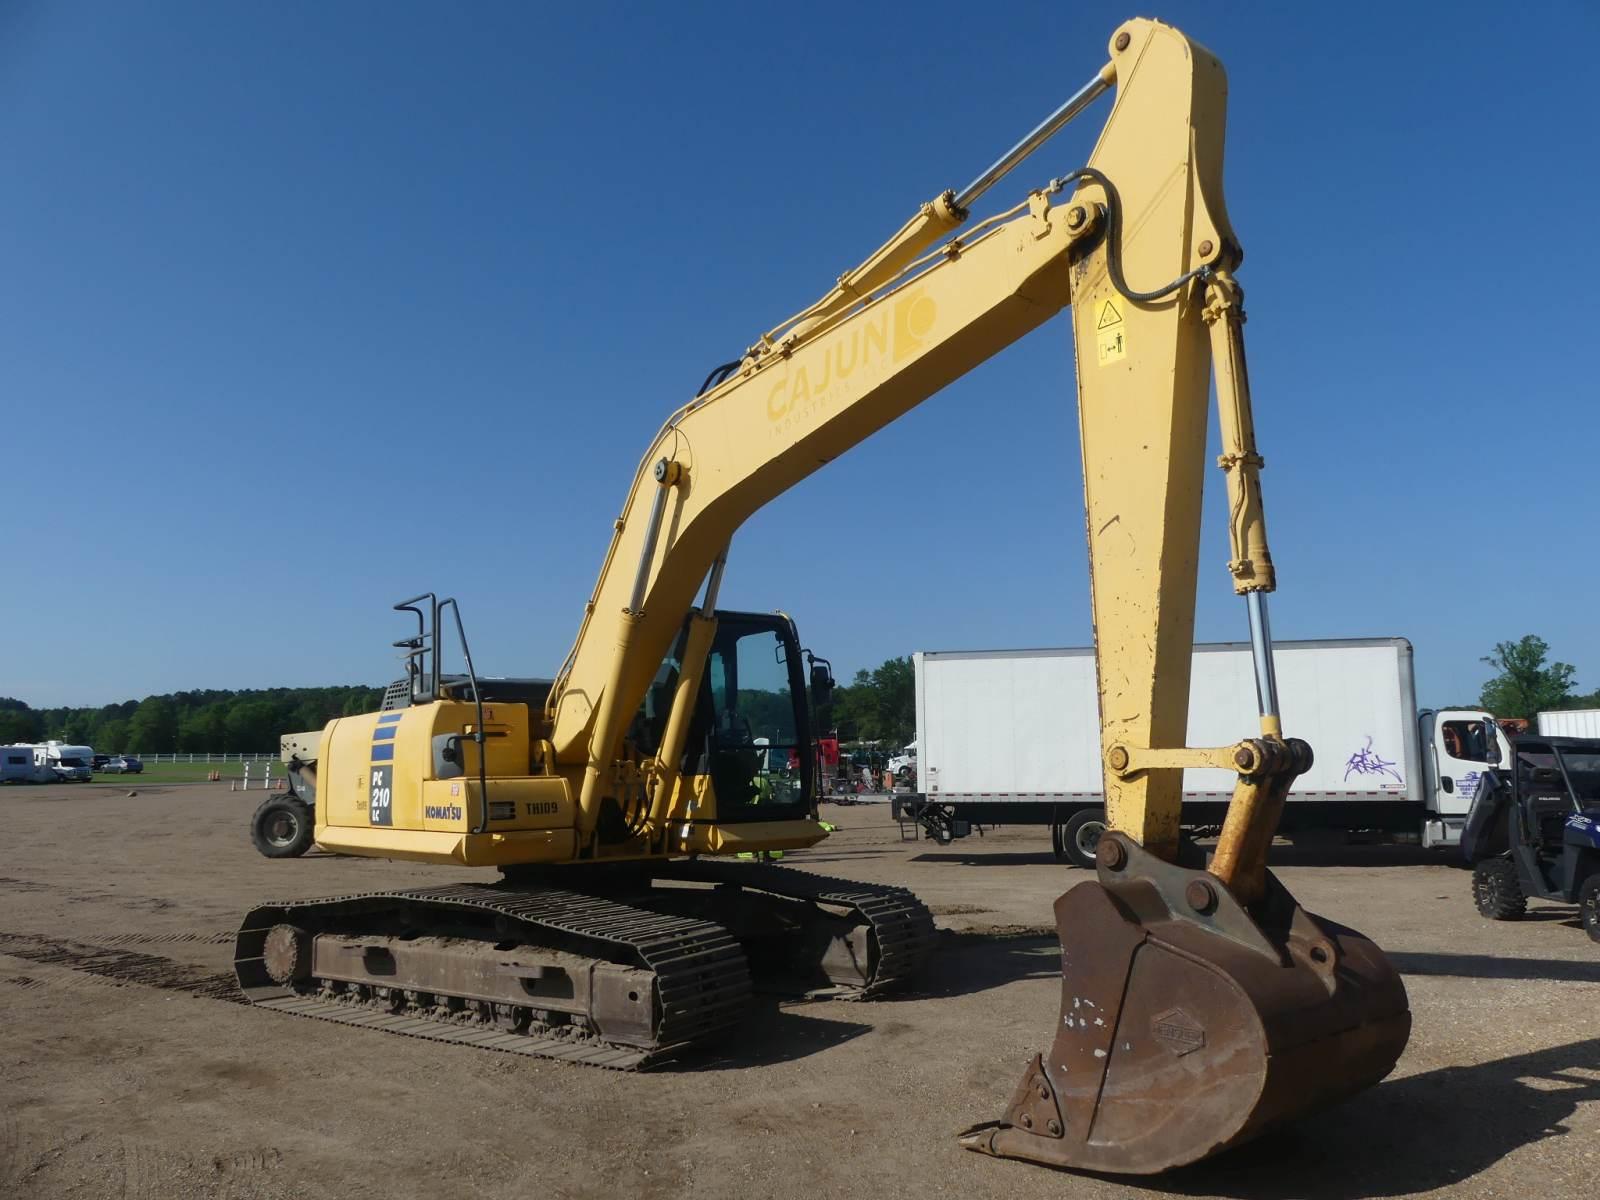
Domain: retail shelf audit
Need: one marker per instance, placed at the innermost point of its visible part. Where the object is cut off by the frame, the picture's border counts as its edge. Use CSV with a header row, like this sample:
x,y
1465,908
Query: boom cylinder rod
x,y
1046,129
714,584
652,534
1261,654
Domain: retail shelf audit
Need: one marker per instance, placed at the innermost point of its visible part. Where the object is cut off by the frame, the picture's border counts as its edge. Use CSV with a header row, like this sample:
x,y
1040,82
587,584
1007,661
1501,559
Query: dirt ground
x,y
129,1069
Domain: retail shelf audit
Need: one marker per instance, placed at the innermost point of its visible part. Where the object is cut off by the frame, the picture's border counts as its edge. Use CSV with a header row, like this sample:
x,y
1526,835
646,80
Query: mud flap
x,y
1189,1024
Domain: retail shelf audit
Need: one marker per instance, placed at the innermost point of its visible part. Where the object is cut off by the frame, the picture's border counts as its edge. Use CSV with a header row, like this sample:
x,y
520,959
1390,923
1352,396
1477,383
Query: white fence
x,y
198,757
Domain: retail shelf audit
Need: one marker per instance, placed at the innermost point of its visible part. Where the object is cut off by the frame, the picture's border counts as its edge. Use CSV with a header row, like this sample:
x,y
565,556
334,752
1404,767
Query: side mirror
x,y
1491,743
821,681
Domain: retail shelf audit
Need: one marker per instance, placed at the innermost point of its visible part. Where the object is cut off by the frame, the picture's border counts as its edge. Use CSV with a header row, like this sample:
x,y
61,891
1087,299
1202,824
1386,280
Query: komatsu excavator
x,y
1200,1003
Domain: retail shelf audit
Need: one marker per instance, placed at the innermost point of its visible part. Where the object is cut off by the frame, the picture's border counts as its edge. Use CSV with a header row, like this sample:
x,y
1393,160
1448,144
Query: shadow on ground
x,y
775,1035
1001,858
1484,966
1316,854
975,961
1428,1131
1332,853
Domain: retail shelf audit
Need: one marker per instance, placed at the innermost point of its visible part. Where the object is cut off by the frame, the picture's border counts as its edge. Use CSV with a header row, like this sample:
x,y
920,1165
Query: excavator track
x,y
691,975
899,928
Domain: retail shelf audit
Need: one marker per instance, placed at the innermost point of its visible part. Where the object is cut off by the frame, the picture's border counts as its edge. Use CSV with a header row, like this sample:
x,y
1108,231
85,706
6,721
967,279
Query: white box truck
x,y
1572,722
1013,737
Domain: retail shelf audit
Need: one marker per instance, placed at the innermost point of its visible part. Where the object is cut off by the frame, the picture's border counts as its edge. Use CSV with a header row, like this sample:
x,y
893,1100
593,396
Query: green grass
x,y
197,772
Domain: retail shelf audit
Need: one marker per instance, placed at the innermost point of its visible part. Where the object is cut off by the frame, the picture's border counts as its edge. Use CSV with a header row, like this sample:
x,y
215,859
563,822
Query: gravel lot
x,y
127,1069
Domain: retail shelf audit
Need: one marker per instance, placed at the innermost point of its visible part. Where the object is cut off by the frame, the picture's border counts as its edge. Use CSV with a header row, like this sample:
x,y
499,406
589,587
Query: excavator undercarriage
x,y
623,968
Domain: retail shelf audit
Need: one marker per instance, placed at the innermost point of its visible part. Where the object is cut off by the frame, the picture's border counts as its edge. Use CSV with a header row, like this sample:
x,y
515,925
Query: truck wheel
x,y
1496,890
282,827
1589,906
1077,838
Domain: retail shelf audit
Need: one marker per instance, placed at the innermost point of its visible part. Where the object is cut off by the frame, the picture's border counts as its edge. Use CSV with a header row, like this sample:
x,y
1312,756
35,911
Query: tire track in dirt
x,y
215,937
13,1149
122,966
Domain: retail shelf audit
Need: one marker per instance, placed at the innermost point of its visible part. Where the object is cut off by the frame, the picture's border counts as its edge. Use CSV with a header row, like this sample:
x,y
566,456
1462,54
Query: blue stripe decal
x,y
385,734
390,718
383,753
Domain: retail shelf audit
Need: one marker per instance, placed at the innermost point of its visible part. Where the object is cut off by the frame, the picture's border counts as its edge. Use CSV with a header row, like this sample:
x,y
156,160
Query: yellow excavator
x,y
1200,1004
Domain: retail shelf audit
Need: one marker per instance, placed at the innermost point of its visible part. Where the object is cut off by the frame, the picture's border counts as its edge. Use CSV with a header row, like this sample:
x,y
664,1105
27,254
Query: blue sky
x,y
310,307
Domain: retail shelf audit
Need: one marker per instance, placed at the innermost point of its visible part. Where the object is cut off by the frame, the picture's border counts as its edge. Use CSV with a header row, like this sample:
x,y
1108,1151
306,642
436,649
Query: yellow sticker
x,y
1110,332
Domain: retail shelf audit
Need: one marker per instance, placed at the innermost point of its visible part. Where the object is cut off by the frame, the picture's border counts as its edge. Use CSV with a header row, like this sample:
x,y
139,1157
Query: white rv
x,y
65,763
18,764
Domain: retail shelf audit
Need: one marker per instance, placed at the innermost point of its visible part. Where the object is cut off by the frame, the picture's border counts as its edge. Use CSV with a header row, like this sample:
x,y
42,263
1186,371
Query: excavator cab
x,y
752,721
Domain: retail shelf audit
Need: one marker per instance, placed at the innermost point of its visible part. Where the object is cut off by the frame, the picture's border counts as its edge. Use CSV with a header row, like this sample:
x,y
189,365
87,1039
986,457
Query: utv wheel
x,y
1079,836
282,827
1589,906
1496,890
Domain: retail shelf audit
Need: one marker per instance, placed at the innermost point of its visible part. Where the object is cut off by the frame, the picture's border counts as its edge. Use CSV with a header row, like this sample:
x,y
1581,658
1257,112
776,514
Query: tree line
x,y
877,705
249,721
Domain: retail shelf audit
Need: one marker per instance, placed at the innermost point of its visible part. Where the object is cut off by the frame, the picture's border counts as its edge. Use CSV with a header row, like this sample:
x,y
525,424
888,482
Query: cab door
x,y
1461,750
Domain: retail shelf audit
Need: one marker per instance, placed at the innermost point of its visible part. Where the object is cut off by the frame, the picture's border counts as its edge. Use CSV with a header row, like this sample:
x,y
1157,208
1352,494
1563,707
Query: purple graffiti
x,y
1367,761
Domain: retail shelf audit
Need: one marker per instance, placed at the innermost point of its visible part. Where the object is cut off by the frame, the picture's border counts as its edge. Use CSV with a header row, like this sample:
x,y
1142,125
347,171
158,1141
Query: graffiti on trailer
x,y
1367,761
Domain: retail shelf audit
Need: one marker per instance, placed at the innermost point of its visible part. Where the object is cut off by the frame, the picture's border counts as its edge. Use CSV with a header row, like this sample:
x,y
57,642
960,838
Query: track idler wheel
x,y
1190,1024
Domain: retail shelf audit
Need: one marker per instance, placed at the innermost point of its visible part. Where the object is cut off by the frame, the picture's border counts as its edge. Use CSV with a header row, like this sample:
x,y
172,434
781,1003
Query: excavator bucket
x,y
1190,1024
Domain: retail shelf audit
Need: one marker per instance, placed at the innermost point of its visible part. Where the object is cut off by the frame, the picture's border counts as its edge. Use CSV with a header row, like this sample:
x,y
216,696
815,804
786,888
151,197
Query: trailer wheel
x,y
1077,838
1589,905
1496,890
282,827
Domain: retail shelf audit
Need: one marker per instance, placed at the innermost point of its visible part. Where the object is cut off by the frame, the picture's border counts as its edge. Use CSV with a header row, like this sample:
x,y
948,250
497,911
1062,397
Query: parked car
x,y
99,761
123,764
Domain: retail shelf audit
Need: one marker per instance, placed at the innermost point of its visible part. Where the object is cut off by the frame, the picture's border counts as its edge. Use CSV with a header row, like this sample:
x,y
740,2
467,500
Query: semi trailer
x,y
1571,722
1012,737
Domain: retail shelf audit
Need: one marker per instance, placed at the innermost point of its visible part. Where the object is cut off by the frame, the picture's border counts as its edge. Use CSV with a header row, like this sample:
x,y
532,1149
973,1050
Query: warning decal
x,y
1110,332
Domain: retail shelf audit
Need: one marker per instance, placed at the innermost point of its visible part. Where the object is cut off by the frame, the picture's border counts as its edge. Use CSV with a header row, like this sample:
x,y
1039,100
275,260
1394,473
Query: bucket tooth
x,y
1190,1024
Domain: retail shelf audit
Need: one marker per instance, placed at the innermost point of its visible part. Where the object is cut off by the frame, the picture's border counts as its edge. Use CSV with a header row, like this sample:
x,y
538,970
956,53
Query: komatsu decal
x,y
442,812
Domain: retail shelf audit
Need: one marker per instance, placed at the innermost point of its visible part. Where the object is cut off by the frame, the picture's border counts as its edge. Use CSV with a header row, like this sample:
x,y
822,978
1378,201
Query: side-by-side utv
x,y
1534,830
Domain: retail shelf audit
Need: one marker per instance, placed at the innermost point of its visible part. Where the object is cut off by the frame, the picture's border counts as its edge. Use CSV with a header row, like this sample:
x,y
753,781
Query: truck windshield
x,y
72,762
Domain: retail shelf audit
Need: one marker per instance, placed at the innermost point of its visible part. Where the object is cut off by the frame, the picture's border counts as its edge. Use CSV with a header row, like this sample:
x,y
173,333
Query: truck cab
x,y
69,764
1458,746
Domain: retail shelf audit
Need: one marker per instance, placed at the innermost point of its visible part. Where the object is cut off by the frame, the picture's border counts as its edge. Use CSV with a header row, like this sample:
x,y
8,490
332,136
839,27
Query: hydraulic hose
x,y
1114,240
